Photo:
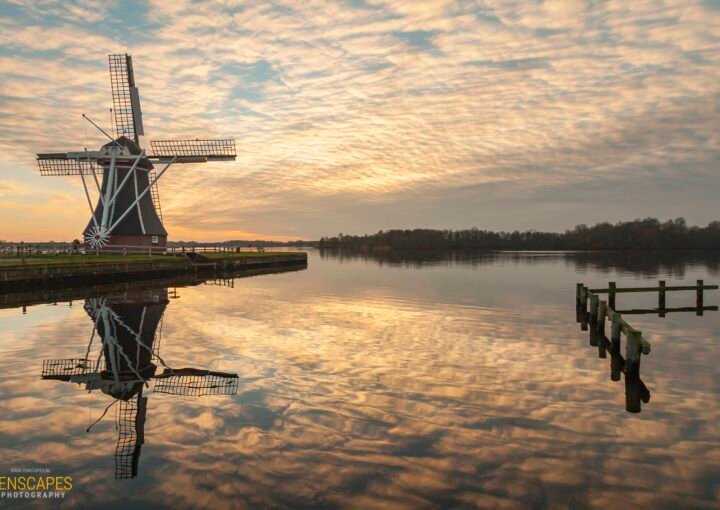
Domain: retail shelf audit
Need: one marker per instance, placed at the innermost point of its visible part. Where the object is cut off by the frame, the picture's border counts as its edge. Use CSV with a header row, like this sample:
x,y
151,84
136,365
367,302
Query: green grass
x,y
12,260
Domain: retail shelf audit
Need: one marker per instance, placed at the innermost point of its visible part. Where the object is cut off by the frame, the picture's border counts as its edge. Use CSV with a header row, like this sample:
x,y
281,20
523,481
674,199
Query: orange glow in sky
x,y
365,115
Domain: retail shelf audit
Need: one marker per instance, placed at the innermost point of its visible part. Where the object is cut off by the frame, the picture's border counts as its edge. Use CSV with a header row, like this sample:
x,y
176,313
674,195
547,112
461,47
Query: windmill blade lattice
x,y
197,385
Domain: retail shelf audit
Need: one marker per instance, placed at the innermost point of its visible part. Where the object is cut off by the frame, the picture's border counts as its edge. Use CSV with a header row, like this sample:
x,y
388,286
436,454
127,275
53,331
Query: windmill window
x,y
155,239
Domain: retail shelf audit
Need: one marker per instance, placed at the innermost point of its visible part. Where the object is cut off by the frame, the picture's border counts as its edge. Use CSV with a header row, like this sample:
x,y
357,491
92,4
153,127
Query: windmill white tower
x,y
127,212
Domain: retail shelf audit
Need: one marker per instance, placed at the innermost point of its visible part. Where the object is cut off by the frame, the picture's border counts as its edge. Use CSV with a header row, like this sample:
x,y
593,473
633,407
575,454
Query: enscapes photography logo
x,y
34,483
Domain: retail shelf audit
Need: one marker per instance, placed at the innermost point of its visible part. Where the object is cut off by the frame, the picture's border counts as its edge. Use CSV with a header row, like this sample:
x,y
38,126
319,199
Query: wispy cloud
x,y
444,113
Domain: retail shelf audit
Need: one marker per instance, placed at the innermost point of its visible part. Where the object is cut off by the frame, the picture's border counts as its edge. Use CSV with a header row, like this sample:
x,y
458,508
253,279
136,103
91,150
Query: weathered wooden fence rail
x,y
601,311
660,288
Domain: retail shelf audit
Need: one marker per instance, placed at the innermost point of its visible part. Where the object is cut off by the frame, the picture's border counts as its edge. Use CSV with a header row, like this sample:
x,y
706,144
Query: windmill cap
x,y
133,148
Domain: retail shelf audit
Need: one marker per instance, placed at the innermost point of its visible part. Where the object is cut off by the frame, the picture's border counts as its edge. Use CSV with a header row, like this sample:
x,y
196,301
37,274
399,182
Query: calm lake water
x,y
448,382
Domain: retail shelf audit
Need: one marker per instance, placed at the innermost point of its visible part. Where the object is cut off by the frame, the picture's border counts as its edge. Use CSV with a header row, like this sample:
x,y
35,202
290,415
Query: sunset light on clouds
x,y
365,115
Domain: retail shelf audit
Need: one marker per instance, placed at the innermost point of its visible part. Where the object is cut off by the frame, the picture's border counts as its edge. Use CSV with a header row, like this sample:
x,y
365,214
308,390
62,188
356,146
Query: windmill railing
x,y
170,250
24,250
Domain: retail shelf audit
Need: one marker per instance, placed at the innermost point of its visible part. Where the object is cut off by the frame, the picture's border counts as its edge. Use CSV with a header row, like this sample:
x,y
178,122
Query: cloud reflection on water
x,y
385,392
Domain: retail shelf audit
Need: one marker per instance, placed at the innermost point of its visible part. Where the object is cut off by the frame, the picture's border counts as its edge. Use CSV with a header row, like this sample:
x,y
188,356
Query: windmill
x,y
127,325
127,211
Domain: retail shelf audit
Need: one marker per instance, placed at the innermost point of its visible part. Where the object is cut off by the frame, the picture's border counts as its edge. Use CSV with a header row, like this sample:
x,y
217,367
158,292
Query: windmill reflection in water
x,y
129,327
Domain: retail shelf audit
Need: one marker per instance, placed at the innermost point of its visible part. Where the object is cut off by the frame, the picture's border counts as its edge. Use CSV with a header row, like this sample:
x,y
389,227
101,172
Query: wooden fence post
x,y
593,336
661,298
578,294
699,301
580,305
633,389
615,331
633,354
594,303
600,329
616,327
633,350
611,296
602,313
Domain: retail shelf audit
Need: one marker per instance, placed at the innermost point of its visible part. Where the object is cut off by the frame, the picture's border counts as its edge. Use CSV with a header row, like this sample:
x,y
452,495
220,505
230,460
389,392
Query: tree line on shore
x,y
639,234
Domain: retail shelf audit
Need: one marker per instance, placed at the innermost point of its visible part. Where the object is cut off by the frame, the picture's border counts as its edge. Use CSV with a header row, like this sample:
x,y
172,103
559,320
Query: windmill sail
x,y
59,164
194,151
137,113
128,214
126,99
155,194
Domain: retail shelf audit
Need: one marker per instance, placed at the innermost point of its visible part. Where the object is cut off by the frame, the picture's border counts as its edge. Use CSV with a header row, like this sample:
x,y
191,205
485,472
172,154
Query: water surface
x,y
379,381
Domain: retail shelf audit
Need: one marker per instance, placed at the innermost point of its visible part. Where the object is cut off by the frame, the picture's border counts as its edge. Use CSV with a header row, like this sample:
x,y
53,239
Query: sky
x,y
360,115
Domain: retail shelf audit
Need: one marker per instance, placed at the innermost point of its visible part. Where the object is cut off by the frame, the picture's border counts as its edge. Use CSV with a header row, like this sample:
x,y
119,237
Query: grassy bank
x,y
12,260
252,254
76,259
65,269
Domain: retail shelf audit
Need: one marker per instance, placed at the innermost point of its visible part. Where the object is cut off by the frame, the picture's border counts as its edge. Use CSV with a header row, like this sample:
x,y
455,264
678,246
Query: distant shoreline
x,y
646,234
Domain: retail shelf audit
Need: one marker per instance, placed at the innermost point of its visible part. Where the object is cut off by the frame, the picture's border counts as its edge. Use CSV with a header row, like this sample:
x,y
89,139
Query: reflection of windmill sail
x,y
129,328
156,342
131,436
64,369
196,383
